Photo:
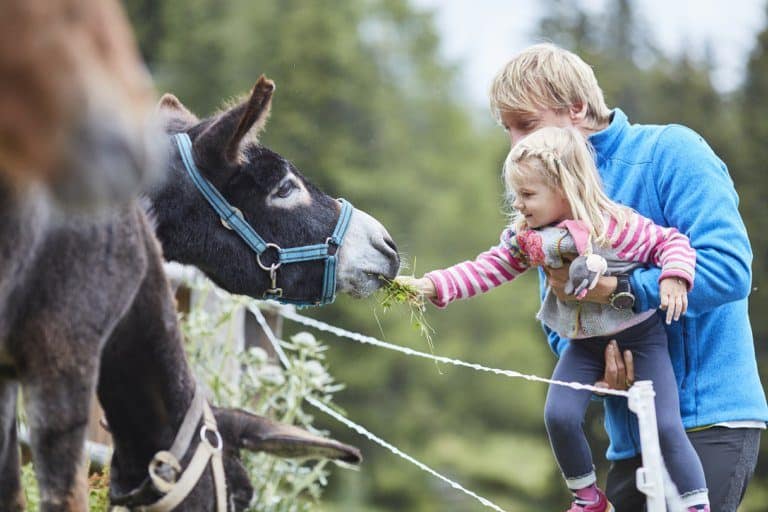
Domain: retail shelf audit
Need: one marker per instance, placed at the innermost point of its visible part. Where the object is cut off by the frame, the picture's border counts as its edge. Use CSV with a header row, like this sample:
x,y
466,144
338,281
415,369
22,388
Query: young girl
x,y
561,213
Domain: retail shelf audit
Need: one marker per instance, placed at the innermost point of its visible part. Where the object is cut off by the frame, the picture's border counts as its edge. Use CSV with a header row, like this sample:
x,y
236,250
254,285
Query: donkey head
x,y
238,430
283,207
76,102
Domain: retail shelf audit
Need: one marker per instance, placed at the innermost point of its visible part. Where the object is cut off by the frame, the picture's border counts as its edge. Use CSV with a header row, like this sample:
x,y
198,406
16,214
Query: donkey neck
x,y
145,384
25,217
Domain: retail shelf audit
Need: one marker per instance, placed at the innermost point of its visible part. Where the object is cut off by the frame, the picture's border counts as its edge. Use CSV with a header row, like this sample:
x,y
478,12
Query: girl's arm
x,y
488,270
643,241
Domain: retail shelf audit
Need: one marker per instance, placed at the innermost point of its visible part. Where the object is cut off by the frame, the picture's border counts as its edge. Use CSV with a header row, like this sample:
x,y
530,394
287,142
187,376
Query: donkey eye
x,y
285,189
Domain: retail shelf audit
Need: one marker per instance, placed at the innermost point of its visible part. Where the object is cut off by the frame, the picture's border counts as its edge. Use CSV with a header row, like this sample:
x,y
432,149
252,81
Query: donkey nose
x,y
389,249
390,243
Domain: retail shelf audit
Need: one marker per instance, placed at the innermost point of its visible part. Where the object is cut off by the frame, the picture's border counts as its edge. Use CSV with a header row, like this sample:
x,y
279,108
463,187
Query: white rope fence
x,y
370,340
652,479
358,428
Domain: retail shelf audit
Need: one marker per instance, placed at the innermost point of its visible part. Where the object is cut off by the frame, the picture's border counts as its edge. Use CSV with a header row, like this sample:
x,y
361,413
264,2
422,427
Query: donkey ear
x,y
256,433
173,114
231,127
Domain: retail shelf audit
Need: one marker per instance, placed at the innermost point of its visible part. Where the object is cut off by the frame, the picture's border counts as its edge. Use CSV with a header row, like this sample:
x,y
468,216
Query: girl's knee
x,y
561,419
672,434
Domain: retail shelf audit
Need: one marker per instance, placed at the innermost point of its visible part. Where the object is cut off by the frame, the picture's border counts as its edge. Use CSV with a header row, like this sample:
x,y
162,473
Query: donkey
x,y
277,200
147,391
75,286
76,102
270,193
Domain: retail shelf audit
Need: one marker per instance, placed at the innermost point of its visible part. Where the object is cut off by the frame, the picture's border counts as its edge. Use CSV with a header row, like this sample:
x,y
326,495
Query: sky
x,y
481,35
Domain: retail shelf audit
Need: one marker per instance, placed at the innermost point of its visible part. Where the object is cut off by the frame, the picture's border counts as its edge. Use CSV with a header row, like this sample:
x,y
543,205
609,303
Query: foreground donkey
x,y
76,102
73,287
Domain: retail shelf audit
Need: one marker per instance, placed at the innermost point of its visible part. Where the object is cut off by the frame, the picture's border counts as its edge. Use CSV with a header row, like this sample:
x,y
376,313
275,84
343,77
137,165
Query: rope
x,y
354,426
370,340
669,488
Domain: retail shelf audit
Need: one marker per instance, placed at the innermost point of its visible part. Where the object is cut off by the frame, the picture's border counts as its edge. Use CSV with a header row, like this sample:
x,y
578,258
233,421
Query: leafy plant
x,y
253,380
98,490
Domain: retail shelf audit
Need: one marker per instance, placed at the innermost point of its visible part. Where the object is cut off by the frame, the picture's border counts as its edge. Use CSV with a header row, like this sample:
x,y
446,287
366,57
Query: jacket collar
x,y
606,141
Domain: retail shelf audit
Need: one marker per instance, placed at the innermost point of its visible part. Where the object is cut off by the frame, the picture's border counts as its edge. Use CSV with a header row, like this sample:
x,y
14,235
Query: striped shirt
x,y
638,242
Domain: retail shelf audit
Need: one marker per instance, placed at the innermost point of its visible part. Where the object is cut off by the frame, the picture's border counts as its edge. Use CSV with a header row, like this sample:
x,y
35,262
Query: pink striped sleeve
x,y
643,241
490,269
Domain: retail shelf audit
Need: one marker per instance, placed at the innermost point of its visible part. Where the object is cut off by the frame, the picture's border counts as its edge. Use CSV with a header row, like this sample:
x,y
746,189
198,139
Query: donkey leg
x,y
57,411
11,497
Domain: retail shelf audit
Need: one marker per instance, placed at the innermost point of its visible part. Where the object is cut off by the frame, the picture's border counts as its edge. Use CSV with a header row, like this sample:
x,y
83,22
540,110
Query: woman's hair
x,y
547,76
563,158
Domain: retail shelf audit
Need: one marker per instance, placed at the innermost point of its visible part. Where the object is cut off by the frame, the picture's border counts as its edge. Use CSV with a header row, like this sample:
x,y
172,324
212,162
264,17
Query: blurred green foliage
x,y
368,110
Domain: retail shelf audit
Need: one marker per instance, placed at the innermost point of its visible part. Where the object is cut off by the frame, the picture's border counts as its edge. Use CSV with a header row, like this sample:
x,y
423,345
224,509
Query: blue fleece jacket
x,y
670,175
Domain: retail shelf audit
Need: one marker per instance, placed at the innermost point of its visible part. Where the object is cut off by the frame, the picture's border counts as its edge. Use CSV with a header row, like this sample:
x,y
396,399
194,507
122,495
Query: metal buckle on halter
x,y
236,211
273,291
332,244
164,470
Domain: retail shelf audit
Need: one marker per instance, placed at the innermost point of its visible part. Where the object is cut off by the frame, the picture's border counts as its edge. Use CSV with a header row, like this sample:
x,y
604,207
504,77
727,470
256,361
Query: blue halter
x,y
233,219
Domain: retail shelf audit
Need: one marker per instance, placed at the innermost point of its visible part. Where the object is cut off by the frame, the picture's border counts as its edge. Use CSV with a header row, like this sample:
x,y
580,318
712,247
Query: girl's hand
x,y
424,285
674,297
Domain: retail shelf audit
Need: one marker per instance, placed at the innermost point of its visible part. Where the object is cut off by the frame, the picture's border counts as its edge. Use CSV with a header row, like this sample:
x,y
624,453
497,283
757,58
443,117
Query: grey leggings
x,y
583,361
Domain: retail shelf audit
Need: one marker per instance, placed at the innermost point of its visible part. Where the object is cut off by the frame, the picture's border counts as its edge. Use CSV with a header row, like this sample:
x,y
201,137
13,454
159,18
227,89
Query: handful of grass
x,y
396,293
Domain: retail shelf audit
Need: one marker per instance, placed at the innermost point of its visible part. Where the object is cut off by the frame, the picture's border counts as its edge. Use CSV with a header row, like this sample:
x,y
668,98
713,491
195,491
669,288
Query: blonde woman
x,y
560,215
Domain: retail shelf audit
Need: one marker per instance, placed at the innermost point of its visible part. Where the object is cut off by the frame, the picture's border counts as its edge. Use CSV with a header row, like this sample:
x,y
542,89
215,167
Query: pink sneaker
x,y
602,504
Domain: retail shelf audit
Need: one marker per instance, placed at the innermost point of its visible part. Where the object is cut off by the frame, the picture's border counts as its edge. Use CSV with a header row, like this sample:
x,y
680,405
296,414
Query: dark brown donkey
x,y
75,102
73,288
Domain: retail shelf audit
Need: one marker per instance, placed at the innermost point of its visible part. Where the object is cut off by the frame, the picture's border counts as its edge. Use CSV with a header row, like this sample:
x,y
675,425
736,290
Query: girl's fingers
x,y
670,312
664,301
678,308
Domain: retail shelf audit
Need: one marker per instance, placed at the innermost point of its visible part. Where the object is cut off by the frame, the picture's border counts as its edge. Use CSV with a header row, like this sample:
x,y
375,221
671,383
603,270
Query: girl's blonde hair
x,y
547,76
563,158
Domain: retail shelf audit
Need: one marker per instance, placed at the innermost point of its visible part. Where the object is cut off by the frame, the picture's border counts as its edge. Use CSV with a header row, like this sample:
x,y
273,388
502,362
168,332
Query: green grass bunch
x,y
397,293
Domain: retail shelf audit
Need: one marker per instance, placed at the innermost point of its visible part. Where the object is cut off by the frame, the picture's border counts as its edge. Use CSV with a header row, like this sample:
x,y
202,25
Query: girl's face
x,y
540,204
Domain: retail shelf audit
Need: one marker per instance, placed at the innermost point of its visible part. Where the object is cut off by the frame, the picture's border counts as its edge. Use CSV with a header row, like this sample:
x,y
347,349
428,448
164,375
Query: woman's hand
x,y
674,297
424,285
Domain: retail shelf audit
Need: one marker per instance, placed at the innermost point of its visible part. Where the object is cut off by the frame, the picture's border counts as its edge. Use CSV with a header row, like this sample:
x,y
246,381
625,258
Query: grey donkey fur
x,y
73,288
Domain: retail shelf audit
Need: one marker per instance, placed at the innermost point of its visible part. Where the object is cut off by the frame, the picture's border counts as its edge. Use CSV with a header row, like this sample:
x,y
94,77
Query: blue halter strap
x,y
232,218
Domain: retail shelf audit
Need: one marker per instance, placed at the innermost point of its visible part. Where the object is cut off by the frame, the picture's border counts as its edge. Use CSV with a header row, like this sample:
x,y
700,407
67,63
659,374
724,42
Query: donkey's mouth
x,y
364,283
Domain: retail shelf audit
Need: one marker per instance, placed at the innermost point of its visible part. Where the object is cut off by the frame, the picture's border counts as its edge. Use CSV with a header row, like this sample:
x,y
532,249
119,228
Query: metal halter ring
x,y
204,438
274,266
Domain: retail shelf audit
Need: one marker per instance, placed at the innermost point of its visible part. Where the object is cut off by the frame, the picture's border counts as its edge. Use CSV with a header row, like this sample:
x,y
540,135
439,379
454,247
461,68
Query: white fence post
x,y
650,480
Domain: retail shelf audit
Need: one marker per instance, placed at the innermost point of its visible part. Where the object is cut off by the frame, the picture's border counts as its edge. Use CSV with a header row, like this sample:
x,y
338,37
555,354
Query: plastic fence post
x,y
650,479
